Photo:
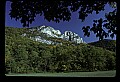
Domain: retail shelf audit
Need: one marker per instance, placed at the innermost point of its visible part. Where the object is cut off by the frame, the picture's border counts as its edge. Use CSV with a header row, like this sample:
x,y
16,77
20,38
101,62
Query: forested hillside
x,y
106,44
23,55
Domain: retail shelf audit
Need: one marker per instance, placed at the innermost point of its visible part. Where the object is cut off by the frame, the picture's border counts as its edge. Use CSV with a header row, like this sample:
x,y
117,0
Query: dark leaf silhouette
x,y
26,11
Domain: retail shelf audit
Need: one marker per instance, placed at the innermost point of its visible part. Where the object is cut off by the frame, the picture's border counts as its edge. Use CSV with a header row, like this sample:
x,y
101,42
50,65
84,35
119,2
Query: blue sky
x,y
74,25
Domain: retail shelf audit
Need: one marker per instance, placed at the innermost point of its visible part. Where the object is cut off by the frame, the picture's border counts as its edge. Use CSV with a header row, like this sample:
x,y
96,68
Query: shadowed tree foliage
x,y
110,24
26,11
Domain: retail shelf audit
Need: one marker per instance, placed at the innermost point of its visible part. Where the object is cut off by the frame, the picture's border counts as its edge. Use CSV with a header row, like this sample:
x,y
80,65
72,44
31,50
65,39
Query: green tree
x,y
46,56
110,60
79,58
20,53
33,60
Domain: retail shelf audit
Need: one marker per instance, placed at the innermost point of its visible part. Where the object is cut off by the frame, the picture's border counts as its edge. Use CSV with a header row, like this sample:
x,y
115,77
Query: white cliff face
x,y
38,38
58,32
51,32
68,35
23,34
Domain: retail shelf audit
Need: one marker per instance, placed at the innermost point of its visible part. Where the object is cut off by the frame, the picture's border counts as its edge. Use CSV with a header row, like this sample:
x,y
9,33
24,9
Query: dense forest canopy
x,y
106,44
23,55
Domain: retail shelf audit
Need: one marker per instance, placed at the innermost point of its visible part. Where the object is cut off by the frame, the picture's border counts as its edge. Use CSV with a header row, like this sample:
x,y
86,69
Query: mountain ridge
x,y
51,32
105,44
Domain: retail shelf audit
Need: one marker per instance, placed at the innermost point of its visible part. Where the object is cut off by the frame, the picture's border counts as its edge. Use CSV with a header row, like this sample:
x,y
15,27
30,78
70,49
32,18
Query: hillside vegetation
x,y
106,44
23,55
